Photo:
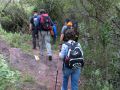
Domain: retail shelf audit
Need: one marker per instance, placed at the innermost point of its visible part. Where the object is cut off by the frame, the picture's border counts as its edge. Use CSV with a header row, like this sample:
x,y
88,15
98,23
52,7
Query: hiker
x,y
69,24
34,27
55,32
44,34
72,62
64,28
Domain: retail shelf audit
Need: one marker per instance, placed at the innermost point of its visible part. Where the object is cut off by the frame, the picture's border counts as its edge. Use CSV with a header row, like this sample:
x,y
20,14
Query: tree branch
x,y
6,6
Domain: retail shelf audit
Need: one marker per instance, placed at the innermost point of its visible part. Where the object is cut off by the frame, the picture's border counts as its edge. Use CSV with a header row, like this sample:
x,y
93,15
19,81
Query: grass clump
x,y
16,40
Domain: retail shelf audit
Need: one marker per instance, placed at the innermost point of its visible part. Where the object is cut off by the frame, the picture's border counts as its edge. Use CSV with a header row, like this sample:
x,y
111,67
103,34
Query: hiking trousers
x,y
44,41
74,75
34,38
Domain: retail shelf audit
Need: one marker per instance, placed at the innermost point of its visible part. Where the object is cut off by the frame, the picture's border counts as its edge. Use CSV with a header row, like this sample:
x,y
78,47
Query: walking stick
x,y
56,77
56,80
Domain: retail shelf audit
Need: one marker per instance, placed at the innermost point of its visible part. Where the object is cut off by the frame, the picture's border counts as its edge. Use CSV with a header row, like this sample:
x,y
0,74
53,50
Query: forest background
x,y
99,27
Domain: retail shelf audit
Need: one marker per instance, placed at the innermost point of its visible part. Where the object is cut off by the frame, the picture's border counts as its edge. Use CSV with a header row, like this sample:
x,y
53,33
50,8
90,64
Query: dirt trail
x,y
43,71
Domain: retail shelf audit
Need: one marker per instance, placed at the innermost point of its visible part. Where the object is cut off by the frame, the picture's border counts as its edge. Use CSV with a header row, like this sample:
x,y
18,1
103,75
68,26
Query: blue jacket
x,y
55,30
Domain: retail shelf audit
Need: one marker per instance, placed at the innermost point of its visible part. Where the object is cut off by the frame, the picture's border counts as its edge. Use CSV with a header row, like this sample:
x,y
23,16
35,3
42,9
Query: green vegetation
x,y
27,78
99,27
17,40
8,78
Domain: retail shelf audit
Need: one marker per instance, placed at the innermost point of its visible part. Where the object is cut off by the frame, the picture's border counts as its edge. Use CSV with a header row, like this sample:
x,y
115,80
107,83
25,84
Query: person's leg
x,y
37,35
37,39
54,39
34,39
75,79
41,42
66,74
48,45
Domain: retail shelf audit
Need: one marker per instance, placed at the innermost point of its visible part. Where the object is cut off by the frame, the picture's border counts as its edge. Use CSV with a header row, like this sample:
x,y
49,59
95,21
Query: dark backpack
x,y
45,22
75,25
74,58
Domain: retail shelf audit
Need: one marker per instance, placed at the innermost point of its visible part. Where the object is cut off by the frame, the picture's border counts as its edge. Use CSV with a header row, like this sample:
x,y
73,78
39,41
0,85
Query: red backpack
x,y
45,22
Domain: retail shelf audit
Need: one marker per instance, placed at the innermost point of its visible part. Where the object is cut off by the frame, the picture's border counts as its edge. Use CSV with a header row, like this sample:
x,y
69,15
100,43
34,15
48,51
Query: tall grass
x,y
16,40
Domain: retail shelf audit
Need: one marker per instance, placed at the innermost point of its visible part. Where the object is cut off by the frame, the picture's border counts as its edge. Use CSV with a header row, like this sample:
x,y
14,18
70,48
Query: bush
x,y
14,19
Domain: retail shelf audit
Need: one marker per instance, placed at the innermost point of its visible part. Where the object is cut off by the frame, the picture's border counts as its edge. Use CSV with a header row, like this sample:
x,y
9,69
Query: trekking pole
x,y
56,77
56,80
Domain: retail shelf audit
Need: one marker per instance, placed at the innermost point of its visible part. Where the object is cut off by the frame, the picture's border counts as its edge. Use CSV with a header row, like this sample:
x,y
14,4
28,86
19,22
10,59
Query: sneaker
x,y
50,58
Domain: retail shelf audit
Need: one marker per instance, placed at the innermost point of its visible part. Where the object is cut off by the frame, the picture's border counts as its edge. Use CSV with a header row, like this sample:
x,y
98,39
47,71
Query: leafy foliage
x,y
99,27
8,78
14,18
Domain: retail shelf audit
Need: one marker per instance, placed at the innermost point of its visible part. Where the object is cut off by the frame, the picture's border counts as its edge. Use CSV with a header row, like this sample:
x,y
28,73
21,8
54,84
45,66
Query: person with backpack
x,y
72,55
62,36
44,34
34,27
69,24
64,28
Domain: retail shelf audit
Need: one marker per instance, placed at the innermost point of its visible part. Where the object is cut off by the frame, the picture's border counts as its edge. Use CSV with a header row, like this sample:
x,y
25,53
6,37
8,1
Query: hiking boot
x,y
34,48
50,58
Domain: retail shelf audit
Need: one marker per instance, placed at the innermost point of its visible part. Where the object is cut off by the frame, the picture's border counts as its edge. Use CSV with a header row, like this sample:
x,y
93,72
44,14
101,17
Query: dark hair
x,y
67,20
69,35
42,11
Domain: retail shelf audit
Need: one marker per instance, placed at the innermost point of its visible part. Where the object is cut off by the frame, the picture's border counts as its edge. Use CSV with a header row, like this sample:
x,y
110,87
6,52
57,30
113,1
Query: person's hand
x,y
60,46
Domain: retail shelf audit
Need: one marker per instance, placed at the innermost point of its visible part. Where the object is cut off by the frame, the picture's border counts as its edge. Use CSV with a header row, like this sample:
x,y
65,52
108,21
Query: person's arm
x,y
63,51
62,33
30,25
61,37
